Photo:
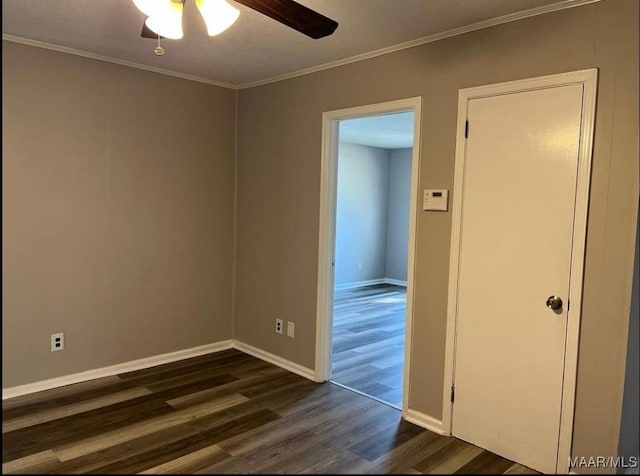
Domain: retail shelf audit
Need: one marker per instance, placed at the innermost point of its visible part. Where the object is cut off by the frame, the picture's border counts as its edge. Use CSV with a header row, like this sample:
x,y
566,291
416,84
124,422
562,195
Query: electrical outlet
x,y
291,329
57,342
279,326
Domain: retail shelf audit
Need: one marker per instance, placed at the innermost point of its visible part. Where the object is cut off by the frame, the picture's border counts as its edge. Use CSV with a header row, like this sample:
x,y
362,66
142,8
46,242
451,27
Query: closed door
x,y
517,223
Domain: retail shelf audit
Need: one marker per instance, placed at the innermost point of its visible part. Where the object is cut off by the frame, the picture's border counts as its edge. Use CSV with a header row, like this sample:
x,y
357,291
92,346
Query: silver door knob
x,y
554,302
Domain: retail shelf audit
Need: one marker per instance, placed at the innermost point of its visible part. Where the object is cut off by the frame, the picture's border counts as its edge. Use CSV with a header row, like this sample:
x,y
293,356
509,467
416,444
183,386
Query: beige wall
x,y
118,207
118,190
278,164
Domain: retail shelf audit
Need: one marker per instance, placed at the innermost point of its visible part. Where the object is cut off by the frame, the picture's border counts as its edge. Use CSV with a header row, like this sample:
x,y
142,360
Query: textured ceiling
x,y
256,48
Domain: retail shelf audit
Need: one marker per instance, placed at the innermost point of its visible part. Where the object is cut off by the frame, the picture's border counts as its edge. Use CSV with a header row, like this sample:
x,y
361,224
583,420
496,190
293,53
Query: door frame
x,y
327,230
588,78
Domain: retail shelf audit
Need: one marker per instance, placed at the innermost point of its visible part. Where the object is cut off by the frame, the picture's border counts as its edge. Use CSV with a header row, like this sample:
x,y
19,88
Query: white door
x,y
516,230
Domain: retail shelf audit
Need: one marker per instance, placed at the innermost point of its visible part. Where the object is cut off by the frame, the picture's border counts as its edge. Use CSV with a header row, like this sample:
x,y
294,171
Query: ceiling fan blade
x,y
295,16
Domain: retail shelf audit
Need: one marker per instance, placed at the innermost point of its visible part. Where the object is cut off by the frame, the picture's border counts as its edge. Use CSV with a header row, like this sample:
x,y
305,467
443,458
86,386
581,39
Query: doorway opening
x,y
370,272
370,170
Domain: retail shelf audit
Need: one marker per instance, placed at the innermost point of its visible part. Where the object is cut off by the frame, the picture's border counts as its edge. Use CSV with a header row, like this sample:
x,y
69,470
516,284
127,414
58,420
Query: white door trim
x,y
588,78
326,245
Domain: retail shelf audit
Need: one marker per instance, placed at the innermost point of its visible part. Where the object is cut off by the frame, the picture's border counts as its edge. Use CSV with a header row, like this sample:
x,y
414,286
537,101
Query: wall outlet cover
x,y
57,342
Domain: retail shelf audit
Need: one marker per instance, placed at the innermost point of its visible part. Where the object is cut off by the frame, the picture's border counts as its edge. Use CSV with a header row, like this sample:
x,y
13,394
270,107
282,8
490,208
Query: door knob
x,y
554,302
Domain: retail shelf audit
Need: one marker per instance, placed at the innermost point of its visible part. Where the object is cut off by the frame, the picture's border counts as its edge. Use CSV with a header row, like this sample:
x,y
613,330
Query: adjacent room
x,y
371,258
320,236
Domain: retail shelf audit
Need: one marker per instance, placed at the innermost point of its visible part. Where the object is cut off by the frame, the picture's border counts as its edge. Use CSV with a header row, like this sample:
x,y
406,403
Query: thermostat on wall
x,y
435,200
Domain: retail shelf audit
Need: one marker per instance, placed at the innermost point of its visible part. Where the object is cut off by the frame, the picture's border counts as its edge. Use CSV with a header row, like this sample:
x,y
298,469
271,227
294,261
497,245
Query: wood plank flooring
x,y
221,413
368,340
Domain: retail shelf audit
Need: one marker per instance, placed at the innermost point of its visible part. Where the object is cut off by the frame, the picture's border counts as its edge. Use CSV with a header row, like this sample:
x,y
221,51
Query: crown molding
x,y
563,5
108,59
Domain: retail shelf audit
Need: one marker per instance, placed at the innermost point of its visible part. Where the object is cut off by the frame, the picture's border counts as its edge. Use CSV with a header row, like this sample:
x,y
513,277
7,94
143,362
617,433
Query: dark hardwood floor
x,y
368,340
223,413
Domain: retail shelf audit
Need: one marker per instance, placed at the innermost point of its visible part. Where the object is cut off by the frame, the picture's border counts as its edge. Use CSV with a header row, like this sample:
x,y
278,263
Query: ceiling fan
x,y
164,17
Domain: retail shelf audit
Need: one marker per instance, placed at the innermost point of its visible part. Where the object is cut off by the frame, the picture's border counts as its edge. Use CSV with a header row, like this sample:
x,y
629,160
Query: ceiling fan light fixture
x,y
152,7
218,15
167,22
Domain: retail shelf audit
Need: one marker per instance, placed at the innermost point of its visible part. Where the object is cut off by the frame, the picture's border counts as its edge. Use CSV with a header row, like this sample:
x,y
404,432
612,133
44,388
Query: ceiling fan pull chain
x,y
158,50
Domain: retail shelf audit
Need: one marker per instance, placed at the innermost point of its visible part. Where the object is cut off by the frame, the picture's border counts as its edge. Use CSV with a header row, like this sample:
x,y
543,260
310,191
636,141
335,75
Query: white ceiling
x,y
256,49
388,131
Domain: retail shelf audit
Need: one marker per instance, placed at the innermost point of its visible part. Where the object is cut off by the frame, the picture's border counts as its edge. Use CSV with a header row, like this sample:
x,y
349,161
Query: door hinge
x,y
466,129
453,393
568,305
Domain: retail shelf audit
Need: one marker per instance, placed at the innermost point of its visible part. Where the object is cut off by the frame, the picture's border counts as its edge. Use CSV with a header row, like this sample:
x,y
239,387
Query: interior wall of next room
x,y
372,214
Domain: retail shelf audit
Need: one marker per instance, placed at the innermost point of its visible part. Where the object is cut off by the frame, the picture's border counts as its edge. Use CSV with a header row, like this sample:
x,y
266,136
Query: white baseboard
x,y
158,360
370,282
425,421
275,360
115,369
358,284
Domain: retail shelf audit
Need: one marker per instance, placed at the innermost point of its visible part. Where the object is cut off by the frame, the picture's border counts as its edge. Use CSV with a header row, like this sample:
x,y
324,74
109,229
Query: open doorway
x,y
366,252
370,273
